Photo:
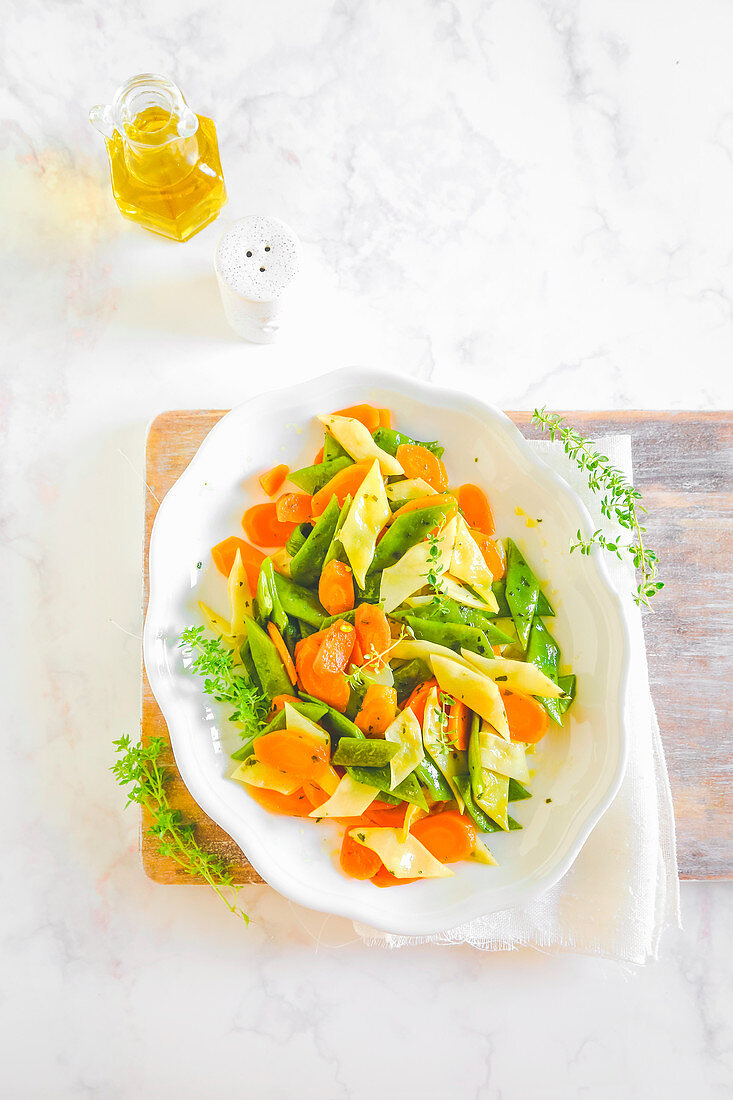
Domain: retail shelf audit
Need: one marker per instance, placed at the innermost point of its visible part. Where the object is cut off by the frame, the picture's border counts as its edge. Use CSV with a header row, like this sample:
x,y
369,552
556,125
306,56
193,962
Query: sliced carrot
x,y
366,414
373,632
388,817
474,504
344,483
282,649
492,552
378,710
331,687
446,499
418,461
295,804
309,645
278,703
384,877
262,526
293,507
334,652
527,719
385,418
319,458
459,723
356,861
336,588
315,794
293,752
418,698
273,480
448,836
224,553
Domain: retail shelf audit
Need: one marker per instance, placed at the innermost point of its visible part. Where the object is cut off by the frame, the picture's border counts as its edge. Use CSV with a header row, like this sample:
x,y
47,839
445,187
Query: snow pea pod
x,y
517,791
389,440
480,819
298,537
299,602
406,531
360,751
267,661
431,777
370,592
306,566
337,724
522,592
336,550
408,676
345,616
248,664
406,791
544,652
568,684
277,612
544,607
333,449
453,635
312,478
447,610
263,599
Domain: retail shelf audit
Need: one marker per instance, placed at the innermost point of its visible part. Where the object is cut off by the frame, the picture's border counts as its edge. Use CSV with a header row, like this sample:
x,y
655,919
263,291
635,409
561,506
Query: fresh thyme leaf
x,y
435,556
223,680
138,770
620,502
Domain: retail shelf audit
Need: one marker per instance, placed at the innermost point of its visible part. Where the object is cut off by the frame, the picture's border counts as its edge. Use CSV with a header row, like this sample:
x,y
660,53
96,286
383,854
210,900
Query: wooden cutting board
x,y
683,464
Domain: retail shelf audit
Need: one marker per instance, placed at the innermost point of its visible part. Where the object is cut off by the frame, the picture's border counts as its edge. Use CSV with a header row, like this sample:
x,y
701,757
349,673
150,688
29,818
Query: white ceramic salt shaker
x,y
257,259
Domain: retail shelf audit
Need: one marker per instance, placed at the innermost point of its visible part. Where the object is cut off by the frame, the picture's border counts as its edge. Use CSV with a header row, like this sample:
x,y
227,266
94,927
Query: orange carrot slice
x,y
273,480
336,588
294,805
378,710
262,526
527,719
334,652
356,861
474,504
366,414
224,553
345,483
418,461
448,836
293,508
373,632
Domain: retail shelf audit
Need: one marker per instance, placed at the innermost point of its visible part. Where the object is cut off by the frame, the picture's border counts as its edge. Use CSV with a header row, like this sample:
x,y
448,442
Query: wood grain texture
x,y
683,464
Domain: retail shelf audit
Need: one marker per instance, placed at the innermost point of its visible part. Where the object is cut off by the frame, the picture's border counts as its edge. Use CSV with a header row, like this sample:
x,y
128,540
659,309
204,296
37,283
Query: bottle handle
x,y
101,119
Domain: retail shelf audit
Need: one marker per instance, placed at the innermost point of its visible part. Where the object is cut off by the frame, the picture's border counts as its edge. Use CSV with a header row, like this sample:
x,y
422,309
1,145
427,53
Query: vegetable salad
x,y
388,654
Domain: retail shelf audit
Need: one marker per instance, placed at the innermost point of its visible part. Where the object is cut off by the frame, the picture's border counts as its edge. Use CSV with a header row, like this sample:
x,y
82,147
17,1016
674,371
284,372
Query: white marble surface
x,y
529,199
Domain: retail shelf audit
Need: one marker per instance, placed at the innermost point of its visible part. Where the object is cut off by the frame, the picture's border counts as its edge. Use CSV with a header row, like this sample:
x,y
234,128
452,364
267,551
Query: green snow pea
x,y
431,777
406,791
389,440
406,531
362,752
249,668
480,819
452,635
299,602
544,652
333,449
569,685
305,628
370,593
336,550
263,599
277,614
408,676
298,537
517,791
345,616
312,478
267,661
306,566
522,592
544,606
337,724
443,609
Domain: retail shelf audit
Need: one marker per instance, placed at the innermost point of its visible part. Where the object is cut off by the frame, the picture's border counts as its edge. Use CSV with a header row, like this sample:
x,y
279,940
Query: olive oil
x,y
164,160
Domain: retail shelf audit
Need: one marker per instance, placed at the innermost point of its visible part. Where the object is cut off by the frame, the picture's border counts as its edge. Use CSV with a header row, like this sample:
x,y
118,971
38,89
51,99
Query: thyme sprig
x,y
435,559
139,770
620,502
224,680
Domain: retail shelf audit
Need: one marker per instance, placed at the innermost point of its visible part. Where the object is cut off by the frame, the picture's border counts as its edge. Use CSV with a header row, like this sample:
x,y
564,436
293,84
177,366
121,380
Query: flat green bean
x,y
345,616
389,440
522,592
263,599
407,791
248,664
333,449
444,609
363,752
405,532
453,635
481,820
431,777
267,661
544,607
299,602
544,652
408,676
298,537
312,478
306,566
517,791
336,551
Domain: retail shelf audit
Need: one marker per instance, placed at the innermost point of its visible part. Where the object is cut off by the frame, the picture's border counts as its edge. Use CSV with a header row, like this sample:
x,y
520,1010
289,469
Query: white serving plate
x,y
579,767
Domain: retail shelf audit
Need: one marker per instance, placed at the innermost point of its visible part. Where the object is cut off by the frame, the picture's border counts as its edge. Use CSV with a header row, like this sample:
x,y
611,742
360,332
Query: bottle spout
x,y
102,120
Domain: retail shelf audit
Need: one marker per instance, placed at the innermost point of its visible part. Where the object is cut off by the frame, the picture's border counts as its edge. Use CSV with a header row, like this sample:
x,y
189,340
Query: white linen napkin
x,y
623,889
